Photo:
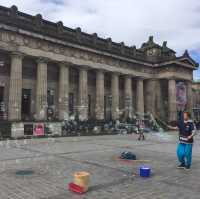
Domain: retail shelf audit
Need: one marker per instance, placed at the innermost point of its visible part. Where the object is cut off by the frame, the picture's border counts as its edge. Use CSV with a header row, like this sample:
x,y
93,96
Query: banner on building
x,y
181,95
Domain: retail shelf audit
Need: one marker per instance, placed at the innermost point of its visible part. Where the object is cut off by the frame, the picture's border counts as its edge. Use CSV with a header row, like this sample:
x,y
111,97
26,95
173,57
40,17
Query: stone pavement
x,y
54,160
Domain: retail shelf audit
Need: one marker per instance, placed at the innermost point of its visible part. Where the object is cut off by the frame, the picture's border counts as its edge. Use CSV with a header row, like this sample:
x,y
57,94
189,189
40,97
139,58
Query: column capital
x,y
171,78
42,60
117,74
128,76
188,81
139,78
64,63
100,71
17,54
84,67
153,79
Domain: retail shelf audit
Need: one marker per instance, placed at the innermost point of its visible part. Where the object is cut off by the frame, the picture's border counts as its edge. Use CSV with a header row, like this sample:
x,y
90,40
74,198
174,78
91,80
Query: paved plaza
x,y
54,160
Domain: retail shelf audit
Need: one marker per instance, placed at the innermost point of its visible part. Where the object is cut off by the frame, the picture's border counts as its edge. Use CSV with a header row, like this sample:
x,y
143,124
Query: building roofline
x,y
14,18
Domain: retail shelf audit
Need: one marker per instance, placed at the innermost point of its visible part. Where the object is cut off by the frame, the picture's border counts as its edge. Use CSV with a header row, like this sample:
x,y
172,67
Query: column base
x,y
83,114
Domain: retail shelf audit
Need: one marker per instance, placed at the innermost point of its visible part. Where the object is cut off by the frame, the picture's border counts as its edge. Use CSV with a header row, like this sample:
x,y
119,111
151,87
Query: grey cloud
x,y
57,2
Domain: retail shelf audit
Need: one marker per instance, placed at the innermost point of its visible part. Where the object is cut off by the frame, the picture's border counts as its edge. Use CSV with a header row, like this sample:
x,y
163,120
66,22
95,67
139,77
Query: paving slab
x,y
53,161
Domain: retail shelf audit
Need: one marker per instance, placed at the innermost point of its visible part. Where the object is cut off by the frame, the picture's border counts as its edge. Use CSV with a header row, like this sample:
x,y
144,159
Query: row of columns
x,y
15,92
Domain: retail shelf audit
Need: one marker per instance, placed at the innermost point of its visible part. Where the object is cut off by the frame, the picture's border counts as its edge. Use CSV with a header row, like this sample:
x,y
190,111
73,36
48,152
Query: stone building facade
x,y
51,71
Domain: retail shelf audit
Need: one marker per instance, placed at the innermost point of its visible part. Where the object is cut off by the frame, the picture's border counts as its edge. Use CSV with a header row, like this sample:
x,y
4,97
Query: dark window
x,y
4,64
121,83
28,129
1,93
107,82
73,76
71,103
50,97
105,107
2,104
29,70
26,104
53,72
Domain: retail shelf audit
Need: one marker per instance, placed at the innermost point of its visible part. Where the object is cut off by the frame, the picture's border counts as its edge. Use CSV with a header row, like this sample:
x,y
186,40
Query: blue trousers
x,y
184,152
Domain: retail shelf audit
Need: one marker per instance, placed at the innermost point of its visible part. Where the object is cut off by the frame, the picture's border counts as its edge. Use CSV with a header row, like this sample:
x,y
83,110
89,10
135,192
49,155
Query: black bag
x,y
128,155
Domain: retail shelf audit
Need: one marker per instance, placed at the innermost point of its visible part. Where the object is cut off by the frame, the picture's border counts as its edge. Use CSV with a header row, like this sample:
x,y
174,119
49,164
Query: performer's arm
x,y
193,127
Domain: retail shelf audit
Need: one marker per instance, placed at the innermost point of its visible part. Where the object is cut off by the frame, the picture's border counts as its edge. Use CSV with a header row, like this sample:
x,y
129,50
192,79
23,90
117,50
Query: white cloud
x,y
131,21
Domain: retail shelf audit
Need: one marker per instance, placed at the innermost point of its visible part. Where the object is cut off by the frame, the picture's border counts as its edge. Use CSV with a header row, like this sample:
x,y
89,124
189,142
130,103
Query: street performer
x,y
186,133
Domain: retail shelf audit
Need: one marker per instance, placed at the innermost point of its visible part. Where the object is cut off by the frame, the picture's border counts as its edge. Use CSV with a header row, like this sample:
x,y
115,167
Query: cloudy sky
x,y
131,21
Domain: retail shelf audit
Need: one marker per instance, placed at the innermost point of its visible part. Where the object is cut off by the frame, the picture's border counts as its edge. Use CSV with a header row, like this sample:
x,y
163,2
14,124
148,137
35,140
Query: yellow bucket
x,y
82,179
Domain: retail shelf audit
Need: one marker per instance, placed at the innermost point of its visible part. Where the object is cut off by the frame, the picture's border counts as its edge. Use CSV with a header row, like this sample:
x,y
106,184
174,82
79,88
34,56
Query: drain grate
x,y
24,172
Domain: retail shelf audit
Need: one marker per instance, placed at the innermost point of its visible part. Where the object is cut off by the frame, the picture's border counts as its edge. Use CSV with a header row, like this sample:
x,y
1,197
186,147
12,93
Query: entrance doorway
x,y
108,107
26,104
89,106
1,93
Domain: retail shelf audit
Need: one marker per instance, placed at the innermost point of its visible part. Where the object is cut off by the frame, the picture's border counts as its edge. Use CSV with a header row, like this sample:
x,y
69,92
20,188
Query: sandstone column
x,y
140,96
115,96
128,97
41,89
83,95
189,106
150,96
15,90
63,98
99,95
172,112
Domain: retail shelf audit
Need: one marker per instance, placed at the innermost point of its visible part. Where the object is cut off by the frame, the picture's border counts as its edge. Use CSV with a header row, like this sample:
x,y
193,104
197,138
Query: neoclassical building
x,y
48,70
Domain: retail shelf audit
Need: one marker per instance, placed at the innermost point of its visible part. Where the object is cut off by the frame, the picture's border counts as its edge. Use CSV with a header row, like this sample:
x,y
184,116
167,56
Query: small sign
x,y
38,129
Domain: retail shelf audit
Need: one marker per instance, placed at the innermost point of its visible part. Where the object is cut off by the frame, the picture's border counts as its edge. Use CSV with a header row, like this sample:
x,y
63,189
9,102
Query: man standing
x,y
186,134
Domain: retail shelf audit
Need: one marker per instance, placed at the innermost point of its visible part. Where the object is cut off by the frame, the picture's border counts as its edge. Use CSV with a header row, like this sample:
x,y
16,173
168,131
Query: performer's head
x,y
186,115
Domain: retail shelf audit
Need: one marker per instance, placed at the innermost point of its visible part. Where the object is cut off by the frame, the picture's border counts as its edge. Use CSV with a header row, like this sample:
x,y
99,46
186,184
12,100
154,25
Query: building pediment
x,y
189,61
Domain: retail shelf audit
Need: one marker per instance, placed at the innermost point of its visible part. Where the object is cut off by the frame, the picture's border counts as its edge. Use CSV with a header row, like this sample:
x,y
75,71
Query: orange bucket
x,y
82,179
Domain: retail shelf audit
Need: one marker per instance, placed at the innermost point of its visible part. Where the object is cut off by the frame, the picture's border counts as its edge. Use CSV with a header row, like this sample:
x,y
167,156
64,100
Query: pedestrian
x,y
140,126
186,133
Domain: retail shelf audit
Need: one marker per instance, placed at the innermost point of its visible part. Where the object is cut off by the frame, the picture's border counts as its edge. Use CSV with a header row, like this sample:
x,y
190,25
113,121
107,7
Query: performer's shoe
x,y
187,168
181,166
